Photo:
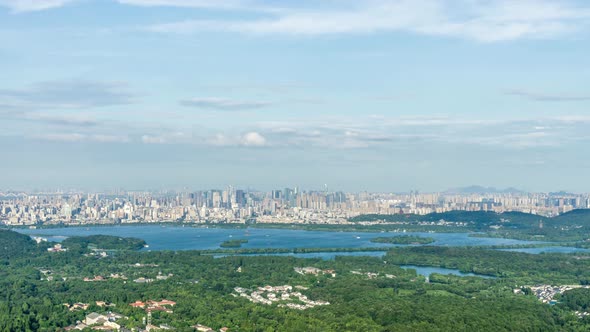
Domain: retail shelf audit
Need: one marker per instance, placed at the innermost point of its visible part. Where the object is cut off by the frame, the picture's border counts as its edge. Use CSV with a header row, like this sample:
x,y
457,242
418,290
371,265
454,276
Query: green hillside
x,y
14,245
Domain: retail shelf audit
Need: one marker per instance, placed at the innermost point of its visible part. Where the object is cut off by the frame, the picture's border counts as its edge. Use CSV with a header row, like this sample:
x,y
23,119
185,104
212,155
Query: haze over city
x,y
374,95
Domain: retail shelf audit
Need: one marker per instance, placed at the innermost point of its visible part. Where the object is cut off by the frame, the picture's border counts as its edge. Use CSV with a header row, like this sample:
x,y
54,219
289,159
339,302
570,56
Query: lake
x,y
322,255
201,238
428,270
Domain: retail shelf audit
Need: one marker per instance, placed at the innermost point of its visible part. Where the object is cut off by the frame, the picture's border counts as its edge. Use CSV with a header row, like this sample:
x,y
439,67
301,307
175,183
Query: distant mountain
x,y
483,190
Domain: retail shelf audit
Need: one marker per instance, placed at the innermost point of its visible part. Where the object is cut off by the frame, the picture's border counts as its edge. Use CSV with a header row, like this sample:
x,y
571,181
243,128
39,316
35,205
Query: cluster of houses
x,y
57,248
160,276
284,296
98,322
76,306
109,321
84,306
47,274
97,253
373,275
314,270
143,280
140,280
546,293
151,305
101,278
96,278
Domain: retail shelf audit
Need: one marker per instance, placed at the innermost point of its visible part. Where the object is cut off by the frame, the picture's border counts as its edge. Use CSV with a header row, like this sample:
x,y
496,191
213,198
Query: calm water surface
x,y
200,238
322,255
428,270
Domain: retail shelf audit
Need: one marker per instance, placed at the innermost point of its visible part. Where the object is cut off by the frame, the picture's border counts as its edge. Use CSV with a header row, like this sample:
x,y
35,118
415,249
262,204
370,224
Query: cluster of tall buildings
x,y
289,205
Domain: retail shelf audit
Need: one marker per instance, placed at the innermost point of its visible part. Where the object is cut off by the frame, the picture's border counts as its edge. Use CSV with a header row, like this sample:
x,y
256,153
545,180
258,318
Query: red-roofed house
x,y
138,304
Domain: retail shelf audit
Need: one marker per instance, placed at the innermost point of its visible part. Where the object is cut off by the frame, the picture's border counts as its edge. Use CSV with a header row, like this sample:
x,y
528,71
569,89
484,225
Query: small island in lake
x,y
233,243
105,242
404,239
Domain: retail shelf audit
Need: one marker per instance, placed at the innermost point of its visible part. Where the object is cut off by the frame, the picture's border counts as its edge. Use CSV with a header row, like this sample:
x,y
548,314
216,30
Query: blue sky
x,y
378,95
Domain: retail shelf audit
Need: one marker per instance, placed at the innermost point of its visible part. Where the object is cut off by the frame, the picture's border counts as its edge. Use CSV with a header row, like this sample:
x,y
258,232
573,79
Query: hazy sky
x,y
380,95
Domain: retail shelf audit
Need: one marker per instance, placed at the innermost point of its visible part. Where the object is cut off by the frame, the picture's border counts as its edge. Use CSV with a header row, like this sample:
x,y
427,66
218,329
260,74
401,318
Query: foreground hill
x,y
15,245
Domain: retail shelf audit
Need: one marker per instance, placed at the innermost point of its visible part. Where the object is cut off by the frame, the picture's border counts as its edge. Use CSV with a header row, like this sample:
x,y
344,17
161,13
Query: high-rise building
x,y
240,198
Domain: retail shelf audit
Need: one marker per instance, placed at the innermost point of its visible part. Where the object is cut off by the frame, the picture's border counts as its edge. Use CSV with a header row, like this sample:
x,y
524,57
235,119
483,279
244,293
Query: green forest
x,y
357,293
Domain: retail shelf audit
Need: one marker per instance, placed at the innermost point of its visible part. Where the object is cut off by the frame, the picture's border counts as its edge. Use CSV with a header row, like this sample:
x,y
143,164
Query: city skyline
x,y
376,95
283,206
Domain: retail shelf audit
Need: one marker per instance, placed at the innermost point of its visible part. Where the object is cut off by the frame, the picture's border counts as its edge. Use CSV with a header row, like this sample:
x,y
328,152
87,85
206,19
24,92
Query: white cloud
x,y
186,3
249,139
224,104
149,139
19,6
407,134
74,137
411,133
62,119
253,139
77,137
480,20
572,119
74,94
219,140
537,96
109,139
167,138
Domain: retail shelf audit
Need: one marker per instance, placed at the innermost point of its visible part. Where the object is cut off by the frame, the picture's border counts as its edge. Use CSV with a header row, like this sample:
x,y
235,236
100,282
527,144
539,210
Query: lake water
x,y
428,270
201,238
549,250
322,255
